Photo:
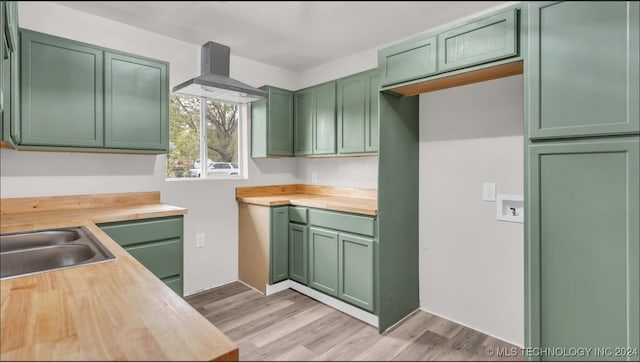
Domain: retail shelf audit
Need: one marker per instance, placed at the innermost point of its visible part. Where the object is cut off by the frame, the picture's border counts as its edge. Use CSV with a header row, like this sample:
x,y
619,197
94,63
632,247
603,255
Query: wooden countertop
x,y
359,201
115,310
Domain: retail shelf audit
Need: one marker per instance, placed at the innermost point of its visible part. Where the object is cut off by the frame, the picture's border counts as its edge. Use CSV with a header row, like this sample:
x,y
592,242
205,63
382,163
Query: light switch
x,y
314,177
488,191
200,240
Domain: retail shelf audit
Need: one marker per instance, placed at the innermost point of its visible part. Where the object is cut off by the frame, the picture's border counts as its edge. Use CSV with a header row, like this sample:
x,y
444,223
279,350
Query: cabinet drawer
x,y
407,61
342,221
485,40
160,258
135,232
298,214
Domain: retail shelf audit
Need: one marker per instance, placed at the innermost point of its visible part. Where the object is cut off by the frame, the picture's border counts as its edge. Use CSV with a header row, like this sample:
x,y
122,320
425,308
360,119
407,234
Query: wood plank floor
x,y
291,326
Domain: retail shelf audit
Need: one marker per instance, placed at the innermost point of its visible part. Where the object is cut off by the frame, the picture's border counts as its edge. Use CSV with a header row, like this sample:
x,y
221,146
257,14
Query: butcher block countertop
x,y
355,200
114,310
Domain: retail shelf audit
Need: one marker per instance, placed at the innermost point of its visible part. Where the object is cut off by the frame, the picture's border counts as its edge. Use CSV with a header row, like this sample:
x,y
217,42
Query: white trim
x,y
474,328
358,313
208,288
278,287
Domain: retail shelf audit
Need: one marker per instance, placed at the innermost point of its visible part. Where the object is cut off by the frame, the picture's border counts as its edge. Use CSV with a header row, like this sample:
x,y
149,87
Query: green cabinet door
x,y
61,92
480,41
4,54
324,123
303,123
352,113
298,253
323,260
10,124
412,59
582,68
582,256
372,119
272,124
357,108
279,244
156,243
136,103
355,270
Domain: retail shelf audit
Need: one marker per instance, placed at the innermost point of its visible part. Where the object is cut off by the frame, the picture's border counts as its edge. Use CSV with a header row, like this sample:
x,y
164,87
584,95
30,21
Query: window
x,y
203,129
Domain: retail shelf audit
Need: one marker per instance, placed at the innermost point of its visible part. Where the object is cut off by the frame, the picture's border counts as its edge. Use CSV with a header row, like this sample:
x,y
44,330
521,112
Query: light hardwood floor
x,y
291,326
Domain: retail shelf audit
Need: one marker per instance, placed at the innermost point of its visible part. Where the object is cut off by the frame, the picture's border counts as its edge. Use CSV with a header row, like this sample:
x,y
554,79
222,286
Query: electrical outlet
x,y
314,177
200,240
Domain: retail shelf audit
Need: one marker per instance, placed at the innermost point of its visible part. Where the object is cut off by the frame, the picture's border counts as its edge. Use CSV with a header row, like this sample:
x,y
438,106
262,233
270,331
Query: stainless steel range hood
x,y
214,82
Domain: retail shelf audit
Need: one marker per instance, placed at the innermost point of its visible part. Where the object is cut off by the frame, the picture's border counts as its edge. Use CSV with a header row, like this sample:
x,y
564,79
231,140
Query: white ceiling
x,y
295,35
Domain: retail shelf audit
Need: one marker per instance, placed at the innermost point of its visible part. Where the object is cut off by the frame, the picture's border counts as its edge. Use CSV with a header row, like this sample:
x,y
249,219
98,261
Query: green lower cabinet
x,y
355,270
156,243
583,252
279,244
323,260
298,236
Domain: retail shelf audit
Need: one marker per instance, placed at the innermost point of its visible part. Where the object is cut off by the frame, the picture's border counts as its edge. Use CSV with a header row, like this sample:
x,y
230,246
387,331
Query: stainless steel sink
x,y
46,250
37,239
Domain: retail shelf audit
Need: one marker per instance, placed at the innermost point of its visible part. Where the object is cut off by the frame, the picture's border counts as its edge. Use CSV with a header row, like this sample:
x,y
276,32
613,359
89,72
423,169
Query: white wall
x,y
339,171
471,265
211,204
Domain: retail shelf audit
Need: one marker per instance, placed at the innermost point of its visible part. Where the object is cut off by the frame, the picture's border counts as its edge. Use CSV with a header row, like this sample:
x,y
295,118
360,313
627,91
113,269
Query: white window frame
x,y
243,115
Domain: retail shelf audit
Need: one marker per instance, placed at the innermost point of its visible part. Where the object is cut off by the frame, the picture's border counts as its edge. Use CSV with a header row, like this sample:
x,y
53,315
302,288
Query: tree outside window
x,y
190,120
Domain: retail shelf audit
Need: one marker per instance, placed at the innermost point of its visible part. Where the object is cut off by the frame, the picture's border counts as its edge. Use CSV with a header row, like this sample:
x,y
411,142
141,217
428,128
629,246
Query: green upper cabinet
x,y
407,61
61,92
372,120
279,244
324,123
315,120
355,270
78,96
10,100
583,248
583,69
480,41
492,40
357,113
303,123
352,111
272,124
323,260
136,105
3,51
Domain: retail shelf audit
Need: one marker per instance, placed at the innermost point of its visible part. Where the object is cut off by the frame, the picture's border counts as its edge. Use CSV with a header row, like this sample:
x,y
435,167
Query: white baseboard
x,y
278,287
357,313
